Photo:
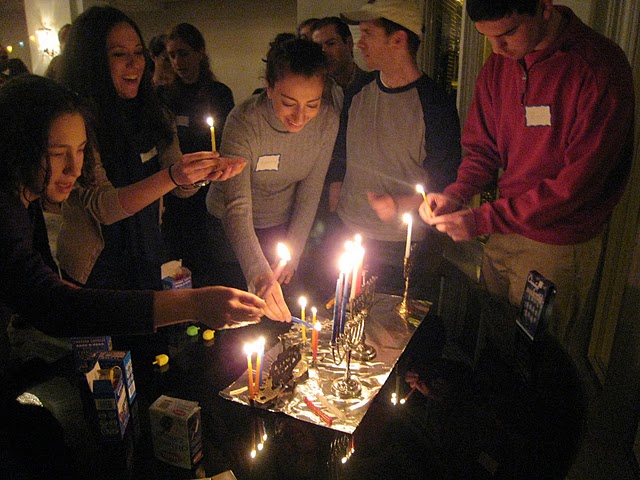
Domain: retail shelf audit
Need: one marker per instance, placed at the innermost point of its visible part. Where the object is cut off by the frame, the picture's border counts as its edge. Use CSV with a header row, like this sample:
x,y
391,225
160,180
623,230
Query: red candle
x,y
314,335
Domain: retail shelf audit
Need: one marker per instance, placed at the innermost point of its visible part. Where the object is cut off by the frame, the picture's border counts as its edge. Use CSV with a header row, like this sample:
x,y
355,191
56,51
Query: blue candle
x,y
336,311
345,298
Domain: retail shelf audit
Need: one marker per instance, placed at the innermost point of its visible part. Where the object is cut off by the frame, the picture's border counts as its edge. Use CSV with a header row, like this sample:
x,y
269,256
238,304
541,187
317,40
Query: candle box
x,y
110,398
85,350
175,276
176,431
123,360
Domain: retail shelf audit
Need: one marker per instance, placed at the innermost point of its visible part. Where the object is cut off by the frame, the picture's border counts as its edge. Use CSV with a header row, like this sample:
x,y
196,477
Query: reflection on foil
x,y
386,330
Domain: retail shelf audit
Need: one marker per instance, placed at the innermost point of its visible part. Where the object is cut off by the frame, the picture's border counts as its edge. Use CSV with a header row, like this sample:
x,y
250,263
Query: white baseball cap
x,y
403,12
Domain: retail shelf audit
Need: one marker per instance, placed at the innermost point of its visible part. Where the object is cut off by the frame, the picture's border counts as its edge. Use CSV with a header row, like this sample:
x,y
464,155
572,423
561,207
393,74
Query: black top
x,y
31,288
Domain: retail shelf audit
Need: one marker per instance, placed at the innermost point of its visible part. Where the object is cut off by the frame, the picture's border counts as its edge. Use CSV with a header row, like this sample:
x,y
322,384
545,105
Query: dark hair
x,y
309,22
29,104
158,44
297,56
482,10
63,33
342,28
413,40
85,69
194,38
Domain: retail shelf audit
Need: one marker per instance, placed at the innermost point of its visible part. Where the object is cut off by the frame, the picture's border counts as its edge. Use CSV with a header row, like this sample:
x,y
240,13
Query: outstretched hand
x,y
199,166
267,287
225,307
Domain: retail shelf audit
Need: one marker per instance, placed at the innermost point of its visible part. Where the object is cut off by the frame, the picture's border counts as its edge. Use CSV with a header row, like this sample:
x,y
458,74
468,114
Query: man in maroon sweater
x,y
553,114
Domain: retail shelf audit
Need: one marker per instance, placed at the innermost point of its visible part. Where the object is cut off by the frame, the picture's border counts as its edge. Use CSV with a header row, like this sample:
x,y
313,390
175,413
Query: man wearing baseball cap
x,y
397,129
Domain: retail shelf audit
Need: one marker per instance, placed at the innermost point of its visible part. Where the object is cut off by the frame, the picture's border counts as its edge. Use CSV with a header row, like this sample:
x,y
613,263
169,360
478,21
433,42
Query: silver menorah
x,y
350,339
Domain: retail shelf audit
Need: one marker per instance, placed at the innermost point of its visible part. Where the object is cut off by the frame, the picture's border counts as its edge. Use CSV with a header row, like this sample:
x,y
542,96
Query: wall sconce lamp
x,y
47,42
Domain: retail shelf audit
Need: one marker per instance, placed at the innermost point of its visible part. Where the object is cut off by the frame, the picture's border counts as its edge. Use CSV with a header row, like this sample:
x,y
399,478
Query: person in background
x,y
305,28
110,235
397,129
193,97
163,73
286,135
553,110
53,70
10,67
335,38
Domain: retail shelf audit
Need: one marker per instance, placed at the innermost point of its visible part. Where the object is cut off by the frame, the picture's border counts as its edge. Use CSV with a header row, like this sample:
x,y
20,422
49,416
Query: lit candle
x,y
420,190
336,310
285,257
358,253
346,268
213,133
259,347
314,337
303,304
248,350
408,219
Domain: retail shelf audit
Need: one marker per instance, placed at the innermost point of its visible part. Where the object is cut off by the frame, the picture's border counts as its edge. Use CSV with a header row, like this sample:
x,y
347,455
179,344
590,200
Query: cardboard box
x,y
107,389
115,358
175,276
176,431
85,350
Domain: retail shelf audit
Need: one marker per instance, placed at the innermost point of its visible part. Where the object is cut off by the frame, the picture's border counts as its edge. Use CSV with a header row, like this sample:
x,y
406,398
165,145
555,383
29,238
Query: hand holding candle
x,y
408,219
285,257
213,133
420,190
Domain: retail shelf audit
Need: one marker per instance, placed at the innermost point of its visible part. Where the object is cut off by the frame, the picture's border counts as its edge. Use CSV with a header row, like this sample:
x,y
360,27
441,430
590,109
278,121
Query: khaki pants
x,y
572,268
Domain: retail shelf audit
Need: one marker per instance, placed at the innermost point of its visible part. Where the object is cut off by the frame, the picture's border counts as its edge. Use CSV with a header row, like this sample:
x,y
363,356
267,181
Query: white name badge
x,y
268,162
538,116
182,121
146,156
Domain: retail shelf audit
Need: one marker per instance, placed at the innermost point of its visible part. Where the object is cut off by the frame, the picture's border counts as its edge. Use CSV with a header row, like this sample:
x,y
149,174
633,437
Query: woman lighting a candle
x,y
286,134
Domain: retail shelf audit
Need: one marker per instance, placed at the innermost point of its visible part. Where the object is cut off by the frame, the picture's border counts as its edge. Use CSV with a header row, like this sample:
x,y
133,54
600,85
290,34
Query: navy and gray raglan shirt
x,y
391,139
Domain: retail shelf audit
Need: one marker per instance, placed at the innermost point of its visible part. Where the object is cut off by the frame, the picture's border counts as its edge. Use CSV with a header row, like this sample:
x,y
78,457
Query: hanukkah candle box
x,y
107,389
175,276
122,360
85,350
176,432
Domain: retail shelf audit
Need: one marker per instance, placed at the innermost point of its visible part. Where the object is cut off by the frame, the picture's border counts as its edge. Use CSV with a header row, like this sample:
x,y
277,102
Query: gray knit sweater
x,y
281,184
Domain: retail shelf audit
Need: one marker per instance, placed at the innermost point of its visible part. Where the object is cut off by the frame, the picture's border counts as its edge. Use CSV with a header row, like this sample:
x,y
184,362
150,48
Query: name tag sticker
x,y
268,162
146,156
538,116
182,121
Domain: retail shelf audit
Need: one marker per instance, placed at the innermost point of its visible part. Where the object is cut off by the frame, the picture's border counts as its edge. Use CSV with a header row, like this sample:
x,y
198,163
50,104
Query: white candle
x,y
408,219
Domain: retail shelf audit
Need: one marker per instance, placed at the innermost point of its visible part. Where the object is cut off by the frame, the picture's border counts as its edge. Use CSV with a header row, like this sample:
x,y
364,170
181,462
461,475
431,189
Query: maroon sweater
x,y
560,125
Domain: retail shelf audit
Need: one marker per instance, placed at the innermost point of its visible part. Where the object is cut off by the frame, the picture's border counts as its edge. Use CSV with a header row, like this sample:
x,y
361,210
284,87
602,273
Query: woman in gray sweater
x,y
286,135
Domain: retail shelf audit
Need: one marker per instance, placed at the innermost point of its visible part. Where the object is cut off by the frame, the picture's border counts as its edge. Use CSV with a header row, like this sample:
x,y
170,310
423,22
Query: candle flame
x,y
407,218
345,262
249,348
253,454
302,301
210,121
420,189
283,252
258,345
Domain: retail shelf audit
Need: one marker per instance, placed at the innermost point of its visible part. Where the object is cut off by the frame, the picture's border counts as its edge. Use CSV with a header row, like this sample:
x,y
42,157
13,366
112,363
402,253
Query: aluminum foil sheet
x,y
385,330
